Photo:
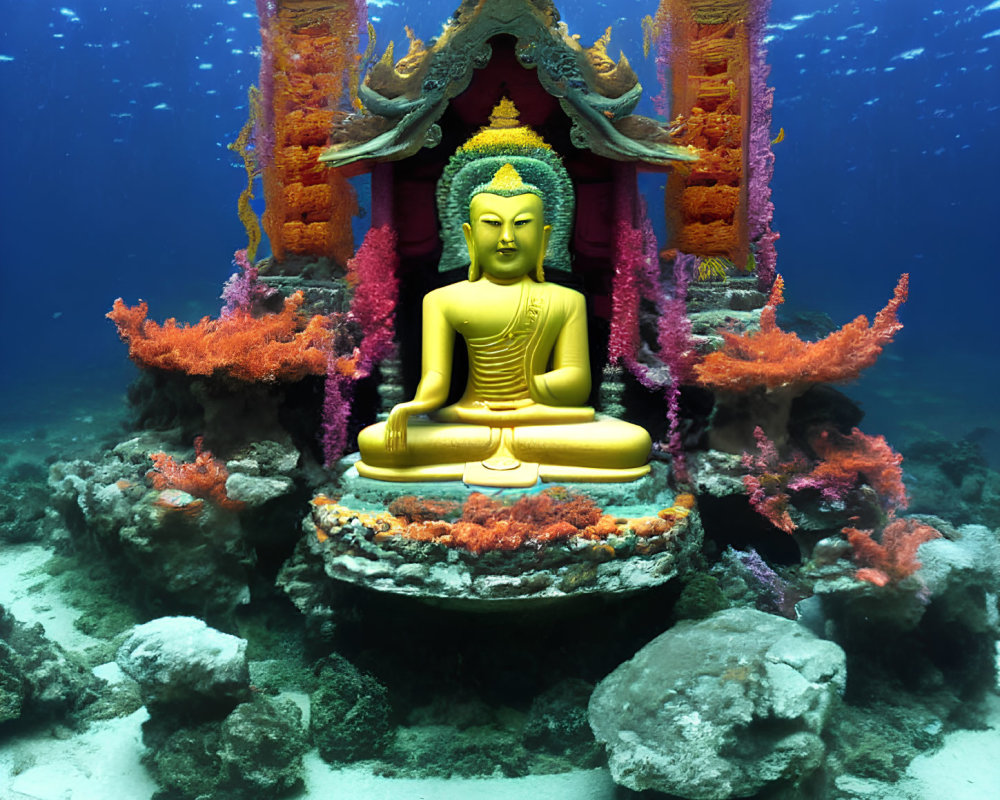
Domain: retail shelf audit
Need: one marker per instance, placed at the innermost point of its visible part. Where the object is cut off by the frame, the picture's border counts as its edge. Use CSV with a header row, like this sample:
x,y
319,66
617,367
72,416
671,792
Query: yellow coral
x,y
332,514
714,268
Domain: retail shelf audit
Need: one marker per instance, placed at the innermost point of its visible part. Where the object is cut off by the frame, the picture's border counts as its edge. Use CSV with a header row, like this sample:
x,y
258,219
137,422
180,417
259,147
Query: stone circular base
x,y
361,548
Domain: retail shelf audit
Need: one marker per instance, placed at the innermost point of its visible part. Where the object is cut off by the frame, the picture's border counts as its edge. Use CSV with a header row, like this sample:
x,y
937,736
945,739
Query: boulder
x,y
720,708
38,679
180,660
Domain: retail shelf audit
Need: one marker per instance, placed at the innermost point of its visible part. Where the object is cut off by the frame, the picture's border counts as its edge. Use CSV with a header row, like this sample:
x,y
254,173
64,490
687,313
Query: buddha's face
x,y
507,236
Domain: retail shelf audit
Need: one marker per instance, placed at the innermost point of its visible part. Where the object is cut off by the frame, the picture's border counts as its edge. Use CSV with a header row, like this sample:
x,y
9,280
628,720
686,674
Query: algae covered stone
x,y
262,744
182,660
38,678
349,712
720,708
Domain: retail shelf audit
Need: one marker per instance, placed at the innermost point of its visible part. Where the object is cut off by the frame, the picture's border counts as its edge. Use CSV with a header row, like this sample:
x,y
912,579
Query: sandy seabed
x,y
103,761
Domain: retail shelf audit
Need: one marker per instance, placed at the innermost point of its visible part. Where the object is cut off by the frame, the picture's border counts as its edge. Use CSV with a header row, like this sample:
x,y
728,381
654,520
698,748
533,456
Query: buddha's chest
x,y
493,311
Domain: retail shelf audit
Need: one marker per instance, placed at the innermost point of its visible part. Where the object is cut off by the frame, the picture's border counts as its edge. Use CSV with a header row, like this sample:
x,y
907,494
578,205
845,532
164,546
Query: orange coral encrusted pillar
x,y
313,61
709,59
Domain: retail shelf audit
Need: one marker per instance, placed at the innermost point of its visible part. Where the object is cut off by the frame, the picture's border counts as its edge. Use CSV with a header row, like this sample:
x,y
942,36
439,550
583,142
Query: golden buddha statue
x,y
521,417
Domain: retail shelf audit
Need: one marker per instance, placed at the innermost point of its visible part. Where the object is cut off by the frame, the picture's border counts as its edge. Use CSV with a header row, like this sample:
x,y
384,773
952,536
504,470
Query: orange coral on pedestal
x,y
285,346
487,524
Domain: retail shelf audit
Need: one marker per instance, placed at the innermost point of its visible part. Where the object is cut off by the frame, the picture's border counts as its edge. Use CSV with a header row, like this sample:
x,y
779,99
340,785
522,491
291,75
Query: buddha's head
x,y
507,233
505,166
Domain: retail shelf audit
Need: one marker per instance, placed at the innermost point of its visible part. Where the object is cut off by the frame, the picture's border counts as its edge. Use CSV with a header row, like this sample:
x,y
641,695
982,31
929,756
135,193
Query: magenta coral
x,y
372,272
766,482
760,157
264,129
244,288
679,353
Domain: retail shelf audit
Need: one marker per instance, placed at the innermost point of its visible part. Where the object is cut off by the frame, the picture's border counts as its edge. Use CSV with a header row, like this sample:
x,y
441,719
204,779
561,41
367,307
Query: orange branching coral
x,y
857,455
772,358
894,557
486,524
285,346
205,477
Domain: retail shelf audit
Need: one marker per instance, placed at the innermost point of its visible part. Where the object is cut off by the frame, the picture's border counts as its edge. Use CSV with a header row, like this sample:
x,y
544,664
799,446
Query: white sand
x,y
103,761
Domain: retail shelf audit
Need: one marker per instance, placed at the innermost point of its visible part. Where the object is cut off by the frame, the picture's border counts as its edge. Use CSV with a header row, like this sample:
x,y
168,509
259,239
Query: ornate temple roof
x,y
404,99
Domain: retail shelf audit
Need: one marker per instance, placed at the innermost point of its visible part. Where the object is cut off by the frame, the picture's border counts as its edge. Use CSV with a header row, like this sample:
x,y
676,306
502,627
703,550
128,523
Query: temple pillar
x,y
309,66
720,104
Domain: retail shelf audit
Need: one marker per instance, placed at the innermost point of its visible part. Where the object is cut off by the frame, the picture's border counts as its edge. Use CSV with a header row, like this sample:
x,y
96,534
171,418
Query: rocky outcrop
x,y
38,679
720,708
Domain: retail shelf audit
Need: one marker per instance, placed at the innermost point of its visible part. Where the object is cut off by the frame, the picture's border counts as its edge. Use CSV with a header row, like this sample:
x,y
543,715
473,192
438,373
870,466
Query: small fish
x,y
780,137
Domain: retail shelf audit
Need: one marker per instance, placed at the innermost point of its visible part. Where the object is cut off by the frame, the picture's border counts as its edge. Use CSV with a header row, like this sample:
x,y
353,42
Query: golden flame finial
x,y
505,129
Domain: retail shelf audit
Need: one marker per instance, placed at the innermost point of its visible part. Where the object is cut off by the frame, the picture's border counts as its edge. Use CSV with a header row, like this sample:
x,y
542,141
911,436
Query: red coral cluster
x,y
205,477
847,459
285,346
486,524
411,508
844,462
894,556
773,358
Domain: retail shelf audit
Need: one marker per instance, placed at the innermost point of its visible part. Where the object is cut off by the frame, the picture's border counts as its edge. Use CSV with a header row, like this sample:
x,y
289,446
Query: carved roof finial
x,y
505,129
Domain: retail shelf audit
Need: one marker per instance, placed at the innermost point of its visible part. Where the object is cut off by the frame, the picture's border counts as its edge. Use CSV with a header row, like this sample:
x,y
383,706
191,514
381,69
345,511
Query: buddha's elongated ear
x,y
539,268
474,271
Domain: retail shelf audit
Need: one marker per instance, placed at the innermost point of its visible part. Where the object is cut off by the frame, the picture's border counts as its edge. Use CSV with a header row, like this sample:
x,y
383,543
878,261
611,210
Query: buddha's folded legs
x,y
605,449
429,443
605,443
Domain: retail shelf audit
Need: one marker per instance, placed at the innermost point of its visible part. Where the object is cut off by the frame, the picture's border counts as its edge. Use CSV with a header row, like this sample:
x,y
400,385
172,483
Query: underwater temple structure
x,y
500,459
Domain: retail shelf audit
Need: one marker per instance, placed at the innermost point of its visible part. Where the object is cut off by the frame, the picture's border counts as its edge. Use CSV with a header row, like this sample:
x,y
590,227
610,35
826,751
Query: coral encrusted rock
x,y
720,708
180,660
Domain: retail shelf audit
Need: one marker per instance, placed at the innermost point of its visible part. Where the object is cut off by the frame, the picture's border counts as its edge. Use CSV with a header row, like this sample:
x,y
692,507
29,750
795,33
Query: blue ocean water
x,y
115,180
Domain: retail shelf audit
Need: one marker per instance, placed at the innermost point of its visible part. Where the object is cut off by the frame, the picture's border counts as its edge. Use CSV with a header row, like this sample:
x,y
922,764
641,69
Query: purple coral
x,y
760,157
760,578
244,288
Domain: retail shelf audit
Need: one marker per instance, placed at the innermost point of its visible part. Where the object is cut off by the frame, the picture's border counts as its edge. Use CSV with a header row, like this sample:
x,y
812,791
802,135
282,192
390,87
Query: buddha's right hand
x,y
395,428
